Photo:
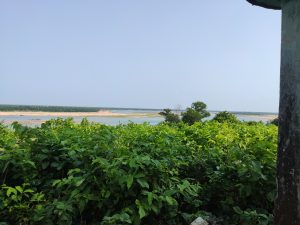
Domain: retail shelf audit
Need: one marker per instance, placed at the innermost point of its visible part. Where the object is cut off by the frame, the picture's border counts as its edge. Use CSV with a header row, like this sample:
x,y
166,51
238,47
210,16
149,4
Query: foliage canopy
x,y
67,173
225,116
195,113
169,116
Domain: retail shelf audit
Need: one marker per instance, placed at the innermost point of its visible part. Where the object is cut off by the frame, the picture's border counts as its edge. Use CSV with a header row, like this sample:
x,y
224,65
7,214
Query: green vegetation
x,y
169,174
195,113
274,121
169,116
192,114
225,116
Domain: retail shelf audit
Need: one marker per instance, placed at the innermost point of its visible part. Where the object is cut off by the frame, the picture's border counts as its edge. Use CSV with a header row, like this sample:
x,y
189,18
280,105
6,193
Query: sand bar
x,y
76,114
261,117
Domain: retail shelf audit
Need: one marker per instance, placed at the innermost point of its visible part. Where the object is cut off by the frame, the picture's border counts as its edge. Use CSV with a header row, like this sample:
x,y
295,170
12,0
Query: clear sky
x,y
133,53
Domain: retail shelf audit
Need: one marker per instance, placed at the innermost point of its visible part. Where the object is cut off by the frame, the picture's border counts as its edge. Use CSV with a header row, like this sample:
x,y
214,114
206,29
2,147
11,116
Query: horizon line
x,y
134,108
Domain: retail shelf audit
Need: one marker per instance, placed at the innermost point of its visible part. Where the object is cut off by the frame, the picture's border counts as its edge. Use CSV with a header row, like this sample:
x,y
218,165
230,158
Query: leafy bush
x,y
88,173
274,121
169,116
225,116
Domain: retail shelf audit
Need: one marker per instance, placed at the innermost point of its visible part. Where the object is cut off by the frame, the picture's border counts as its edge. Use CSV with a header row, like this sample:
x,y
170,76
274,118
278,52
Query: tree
x,y
274,121
169,116
287,210
225,116
195,113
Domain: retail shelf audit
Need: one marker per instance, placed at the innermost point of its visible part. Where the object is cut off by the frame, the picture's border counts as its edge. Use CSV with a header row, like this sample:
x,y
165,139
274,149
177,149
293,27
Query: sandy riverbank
x,y
76,114
258,117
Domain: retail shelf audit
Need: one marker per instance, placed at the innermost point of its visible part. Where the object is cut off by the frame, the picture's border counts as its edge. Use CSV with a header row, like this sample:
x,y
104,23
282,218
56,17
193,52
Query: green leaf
x,y
142,212
129,181
37,197
18,188
238,210
79,182
170,200
150,198
28,191
56,182
155,209
73,171
10,191
143,183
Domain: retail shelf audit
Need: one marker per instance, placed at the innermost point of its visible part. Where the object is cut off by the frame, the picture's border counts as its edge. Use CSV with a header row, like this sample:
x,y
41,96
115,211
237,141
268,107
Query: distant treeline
x,y
47,108
62,108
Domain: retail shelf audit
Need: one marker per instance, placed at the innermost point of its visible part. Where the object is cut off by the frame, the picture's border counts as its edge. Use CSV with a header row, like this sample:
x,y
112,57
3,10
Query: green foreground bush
x,y
67,173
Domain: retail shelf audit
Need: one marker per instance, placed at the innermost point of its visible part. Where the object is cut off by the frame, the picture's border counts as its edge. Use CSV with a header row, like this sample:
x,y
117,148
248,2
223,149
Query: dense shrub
x,y
169,116
274,121
225,117
88,173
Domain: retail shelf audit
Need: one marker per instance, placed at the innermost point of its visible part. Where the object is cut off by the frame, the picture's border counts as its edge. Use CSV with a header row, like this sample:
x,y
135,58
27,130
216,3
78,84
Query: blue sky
x,y
133,53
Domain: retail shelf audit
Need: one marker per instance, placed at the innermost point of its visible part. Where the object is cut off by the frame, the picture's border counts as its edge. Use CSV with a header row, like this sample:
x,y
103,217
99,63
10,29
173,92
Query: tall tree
x,y
287,207
195,113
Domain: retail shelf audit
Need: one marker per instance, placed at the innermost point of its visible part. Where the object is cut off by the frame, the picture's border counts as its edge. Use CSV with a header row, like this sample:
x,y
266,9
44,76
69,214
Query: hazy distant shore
x,y
265,117
107,113
76,114
109,117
